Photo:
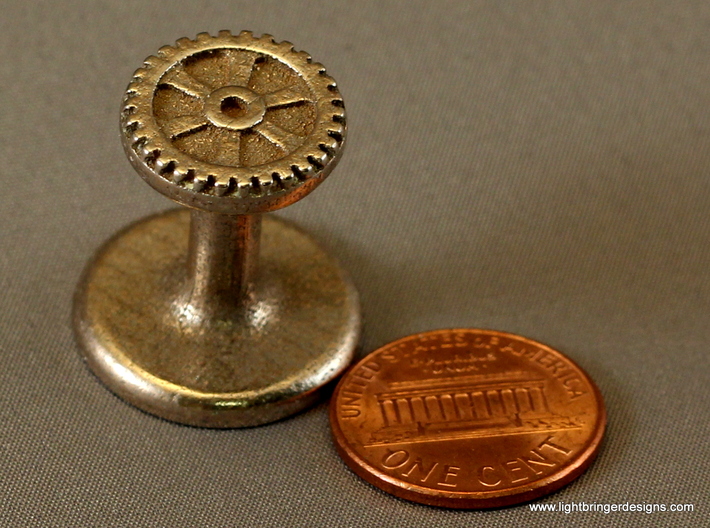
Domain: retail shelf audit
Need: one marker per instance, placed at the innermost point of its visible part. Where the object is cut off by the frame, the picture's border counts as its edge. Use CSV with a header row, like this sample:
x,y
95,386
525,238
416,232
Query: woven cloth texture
x,y
537,167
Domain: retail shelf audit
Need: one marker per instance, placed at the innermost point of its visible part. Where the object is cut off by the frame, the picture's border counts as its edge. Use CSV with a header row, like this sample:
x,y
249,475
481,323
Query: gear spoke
x,y
226,109
182,125
284,97
229,149
278,136
186,83
241,67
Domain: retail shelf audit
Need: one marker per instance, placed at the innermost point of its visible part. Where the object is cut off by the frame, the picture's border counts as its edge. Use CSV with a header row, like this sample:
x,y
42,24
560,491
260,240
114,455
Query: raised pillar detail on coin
x,y
504,425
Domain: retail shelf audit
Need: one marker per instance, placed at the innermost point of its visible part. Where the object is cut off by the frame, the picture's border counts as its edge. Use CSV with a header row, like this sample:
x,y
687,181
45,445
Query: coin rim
x,y
468,500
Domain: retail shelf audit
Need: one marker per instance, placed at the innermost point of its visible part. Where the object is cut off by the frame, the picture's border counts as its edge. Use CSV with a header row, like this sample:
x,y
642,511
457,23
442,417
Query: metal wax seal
x,y
467,418
214,316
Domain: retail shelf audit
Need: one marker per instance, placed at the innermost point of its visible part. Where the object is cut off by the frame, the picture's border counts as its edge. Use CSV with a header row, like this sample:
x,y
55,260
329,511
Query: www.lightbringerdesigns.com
x,y
602,507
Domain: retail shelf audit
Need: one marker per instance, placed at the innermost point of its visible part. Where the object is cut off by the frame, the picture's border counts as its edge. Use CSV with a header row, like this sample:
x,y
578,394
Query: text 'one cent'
x,y
467,418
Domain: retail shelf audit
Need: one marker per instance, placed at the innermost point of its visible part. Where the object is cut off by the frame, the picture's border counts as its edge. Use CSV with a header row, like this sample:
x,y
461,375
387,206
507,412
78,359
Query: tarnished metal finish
x,y
143,332
467,418
208,317
223,265
233,124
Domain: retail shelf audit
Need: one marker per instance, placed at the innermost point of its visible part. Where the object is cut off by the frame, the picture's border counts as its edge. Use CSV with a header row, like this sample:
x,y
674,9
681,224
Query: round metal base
x,y
269,361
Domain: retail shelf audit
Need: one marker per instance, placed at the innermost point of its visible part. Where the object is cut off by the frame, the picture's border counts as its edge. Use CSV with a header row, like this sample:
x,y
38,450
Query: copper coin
x,y
467,419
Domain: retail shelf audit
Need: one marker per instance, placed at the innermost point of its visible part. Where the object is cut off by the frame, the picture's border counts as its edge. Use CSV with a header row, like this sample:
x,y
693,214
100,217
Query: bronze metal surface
x,y
467,418
213,317
233,124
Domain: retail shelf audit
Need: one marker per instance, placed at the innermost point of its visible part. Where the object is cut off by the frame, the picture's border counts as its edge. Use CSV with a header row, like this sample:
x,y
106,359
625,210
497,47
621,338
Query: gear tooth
x,y
150,145
267,185
201,177
166,52
336,108
138,140
183,42
153,61
130,128
127,110
276,182
332,85
166,167
203,37
137,143
339,117
337,133
182,175
242,189
134,84
336,128
288,180
141,147
266,37
150,154
178,177
303,171
285,47
160,164
131,93
317,66
233,185
139,74
317,158
305,57
200,182
255,186
330,146
224,33
222,187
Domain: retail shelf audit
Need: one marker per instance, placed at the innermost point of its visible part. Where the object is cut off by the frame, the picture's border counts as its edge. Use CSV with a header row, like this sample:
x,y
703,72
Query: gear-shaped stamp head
x,y
233,124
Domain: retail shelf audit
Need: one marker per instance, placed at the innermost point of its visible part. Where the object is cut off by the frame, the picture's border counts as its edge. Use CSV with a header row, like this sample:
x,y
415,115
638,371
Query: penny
x,y
467,418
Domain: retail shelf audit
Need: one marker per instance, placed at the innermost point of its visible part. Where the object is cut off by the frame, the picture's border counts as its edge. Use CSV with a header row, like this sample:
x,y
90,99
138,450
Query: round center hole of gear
x,y
233,106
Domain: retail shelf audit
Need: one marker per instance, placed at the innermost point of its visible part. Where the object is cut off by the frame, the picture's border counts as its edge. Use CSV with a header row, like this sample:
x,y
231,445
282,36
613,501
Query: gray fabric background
x,y
536,167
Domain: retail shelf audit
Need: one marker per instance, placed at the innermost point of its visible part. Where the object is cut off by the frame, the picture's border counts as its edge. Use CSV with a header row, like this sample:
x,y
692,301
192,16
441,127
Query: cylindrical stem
x,y
222,263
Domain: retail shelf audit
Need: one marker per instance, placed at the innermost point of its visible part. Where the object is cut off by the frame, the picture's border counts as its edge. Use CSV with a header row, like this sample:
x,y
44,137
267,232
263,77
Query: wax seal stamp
x,y
210,316
467,419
